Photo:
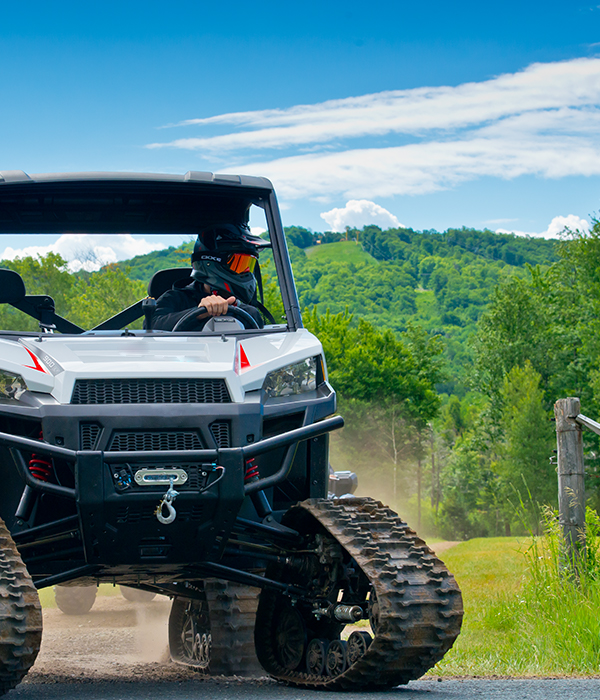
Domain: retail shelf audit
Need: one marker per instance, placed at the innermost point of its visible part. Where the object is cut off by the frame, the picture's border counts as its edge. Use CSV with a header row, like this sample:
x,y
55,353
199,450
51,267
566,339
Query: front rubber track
x,y
420,604
20,615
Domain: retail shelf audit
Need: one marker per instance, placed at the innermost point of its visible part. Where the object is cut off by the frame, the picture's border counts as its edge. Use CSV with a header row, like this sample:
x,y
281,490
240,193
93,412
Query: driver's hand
x,y
216,305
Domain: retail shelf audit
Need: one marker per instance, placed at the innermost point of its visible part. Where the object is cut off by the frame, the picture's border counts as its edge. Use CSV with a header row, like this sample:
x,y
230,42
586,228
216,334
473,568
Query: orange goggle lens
x,y
241,262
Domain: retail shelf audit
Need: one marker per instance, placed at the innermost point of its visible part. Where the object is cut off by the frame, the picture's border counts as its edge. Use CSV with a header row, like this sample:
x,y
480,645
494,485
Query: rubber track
x,y
20,615
420,603
232,611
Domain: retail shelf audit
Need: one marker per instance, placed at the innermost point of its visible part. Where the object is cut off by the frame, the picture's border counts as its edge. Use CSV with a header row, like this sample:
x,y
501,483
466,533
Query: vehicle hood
x,y
53,364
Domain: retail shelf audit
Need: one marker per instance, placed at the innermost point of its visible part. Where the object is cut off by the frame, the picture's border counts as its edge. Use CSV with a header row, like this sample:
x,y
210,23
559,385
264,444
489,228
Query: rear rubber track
x,y
20,615
420,604
232,611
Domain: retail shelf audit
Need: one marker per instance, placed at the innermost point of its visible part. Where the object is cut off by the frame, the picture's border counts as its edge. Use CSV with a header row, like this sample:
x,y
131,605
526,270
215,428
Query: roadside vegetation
x,y
528,612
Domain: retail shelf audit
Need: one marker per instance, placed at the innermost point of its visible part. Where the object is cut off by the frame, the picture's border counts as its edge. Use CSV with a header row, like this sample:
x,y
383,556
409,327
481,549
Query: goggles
x,y
240,262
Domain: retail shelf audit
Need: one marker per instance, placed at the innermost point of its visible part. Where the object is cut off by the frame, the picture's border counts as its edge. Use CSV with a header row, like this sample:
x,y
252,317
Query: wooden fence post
x,y
571,487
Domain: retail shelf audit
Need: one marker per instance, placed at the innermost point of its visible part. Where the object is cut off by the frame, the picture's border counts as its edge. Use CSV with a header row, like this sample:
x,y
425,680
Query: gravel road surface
x,y
118,651
230,689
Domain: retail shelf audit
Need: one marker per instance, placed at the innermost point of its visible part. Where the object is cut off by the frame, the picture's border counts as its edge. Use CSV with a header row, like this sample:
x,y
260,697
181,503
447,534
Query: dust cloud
x,y
116,639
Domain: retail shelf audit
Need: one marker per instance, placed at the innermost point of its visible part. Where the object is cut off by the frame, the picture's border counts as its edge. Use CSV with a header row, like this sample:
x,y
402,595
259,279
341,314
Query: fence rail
x,y
588,423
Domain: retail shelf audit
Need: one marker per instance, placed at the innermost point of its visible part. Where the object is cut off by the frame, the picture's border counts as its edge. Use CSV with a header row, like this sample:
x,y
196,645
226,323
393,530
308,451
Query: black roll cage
x,y
113,203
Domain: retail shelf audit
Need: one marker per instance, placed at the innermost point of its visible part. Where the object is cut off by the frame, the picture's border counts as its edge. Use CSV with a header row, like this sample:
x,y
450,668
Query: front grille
x,y
130,441
88,435
221,432
127,391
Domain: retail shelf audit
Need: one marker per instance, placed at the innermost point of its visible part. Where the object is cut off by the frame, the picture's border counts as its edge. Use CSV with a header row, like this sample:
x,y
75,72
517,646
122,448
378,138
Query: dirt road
x,y
115,640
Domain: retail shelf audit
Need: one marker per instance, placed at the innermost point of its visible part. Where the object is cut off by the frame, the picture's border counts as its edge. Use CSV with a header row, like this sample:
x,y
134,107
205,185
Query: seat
x,y
12,287
163,280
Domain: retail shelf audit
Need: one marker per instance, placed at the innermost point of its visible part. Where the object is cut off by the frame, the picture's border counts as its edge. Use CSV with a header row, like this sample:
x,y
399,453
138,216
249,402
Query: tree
x,y
524,466
386,387
299,236
103,294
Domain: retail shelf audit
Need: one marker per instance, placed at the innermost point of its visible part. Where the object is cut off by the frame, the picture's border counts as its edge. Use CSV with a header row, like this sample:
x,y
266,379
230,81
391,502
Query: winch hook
x,y
167,502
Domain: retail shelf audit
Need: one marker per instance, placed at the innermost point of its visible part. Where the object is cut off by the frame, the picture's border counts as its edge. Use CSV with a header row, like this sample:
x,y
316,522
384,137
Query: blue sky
x,y
428,114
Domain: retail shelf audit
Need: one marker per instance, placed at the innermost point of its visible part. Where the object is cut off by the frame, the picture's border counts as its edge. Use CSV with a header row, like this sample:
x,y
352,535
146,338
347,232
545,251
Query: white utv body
x,y
195,464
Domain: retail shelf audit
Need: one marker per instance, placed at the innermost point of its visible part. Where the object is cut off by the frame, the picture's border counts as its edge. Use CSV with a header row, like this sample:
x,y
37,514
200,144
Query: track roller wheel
x,y
316,653
290,638
189,633
358,643
336,660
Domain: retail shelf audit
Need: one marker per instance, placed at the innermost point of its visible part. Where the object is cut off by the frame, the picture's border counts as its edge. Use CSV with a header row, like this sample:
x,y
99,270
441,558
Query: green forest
x,y
447,350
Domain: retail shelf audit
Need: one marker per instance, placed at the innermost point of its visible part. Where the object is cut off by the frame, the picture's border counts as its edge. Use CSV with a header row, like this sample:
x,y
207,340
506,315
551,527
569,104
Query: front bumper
x,y
118,528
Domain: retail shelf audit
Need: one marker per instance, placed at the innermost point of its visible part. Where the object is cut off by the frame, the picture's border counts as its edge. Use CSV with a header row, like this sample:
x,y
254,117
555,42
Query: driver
x,y
223,262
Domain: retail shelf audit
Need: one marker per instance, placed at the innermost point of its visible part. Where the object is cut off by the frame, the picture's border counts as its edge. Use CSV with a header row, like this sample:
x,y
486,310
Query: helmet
x,y
224,258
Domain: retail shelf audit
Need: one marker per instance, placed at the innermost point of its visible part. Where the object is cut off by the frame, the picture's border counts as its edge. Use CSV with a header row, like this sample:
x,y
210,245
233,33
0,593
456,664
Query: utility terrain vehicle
x,y
194,464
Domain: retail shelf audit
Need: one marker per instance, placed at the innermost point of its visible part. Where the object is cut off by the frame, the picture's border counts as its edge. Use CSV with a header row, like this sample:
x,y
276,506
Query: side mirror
x,y
12,287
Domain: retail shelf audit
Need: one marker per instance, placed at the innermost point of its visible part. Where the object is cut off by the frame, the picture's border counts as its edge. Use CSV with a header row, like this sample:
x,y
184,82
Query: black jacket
x,y
175,303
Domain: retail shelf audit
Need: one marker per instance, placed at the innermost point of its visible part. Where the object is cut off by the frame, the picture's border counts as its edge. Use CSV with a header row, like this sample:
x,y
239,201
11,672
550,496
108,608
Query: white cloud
x,y
358,213
541,86
86,251
565,224
541,121
428,167
559,226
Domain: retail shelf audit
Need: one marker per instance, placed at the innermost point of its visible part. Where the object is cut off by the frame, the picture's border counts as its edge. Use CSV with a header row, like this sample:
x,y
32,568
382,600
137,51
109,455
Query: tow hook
x,y
167,502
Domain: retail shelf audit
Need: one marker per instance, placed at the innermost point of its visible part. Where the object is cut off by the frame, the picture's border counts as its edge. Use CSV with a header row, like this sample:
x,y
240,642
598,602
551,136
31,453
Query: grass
x,y
489,572
344,251
523,615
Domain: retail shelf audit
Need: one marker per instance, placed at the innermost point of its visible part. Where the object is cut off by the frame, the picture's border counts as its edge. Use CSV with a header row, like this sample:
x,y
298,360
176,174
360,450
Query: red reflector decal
x,y
36,364
243,359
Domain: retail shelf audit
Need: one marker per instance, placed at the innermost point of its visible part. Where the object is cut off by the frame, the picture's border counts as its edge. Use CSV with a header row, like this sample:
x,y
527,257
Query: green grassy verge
x,y
489,572
513,626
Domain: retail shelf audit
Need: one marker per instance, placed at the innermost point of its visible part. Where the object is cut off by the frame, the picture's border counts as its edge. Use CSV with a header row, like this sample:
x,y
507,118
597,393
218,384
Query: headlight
x,y
11,386
292,379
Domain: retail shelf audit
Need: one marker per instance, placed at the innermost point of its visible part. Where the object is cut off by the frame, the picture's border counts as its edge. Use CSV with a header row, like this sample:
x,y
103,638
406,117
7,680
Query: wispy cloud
x,y
542,121
428,167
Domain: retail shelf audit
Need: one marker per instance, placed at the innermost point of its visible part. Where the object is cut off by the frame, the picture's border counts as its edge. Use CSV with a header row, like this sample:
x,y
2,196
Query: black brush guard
x,y
116,532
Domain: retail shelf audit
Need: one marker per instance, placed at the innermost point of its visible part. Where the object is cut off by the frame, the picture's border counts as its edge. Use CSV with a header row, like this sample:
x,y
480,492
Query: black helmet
x,y
224,258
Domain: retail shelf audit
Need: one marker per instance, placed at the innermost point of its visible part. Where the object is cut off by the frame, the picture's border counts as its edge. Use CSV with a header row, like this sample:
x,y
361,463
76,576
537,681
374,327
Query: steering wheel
x,y
190,319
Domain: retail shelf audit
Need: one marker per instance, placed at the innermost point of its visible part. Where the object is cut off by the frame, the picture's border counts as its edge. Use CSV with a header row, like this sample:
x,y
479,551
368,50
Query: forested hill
x,y
441,281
